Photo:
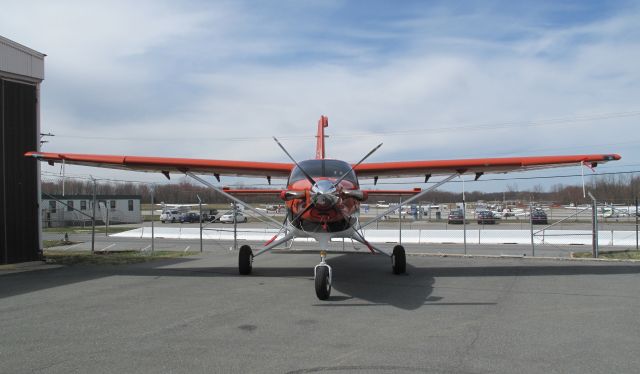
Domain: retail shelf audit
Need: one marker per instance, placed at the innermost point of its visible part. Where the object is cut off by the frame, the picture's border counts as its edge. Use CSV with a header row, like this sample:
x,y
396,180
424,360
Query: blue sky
x,y
430,79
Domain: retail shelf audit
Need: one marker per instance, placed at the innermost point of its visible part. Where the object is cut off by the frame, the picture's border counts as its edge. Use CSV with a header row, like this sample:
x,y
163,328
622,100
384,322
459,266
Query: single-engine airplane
x,y
323,195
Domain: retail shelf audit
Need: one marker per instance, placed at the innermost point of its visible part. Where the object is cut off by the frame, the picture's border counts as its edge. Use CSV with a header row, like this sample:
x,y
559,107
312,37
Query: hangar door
x,y
18,175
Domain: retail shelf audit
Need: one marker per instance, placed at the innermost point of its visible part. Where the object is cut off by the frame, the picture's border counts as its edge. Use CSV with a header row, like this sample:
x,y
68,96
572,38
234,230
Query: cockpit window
x,y
323,168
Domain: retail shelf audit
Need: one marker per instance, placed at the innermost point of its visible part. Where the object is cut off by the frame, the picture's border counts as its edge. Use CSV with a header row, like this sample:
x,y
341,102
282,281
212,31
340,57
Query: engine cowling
x,y
289,195
355,194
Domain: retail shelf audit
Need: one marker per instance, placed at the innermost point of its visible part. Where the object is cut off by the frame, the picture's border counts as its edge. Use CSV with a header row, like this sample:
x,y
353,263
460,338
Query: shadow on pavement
x,y
358,280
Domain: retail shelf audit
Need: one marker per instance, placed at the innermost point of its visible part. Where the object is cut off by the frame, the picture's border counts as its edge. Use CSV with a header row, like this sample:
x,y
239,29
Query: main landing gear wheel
x,y
322,275
245,260
399,260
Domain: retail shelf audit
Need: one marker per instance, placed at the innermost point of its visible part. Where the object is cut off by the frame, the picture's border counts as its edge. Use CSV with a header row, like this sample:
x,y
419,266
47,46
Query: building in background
x,y
72,210
21,72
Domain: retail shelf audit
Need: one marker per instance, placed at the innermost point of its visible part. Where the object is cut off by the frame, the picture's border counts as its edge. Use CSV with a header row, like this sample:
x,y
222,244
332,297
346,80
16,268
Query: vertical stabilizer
x,y
322,123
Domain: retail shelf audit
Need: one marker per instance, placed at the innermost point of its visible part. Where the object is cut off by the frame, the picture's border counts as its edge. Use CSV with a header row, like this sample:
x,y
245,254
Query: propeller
x,y
313,182
336,183
301,213
324,192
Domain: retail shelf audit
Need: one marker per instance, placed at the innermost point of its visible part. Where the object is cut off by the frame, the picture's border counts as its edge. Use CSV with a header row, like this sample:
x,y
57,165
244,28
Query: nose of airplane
x,y
324,194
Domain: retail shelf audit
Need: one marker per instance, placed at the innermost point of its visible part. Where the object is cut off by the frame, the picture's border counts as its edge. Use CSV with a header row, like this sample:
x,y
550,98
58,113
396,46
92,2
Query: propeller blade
x,y
299,215
313,182
335,184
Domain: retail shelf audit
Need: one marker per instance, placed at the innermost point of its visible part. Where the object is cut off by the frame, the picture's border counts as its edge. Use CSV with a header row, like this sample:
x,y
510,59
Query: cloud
x,y
438,82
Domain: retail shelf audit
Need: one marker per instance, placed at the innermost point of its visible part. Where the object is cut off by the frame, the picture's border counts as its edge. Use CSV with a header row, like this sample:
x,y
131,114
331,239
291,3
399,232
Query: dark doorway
x,y
18,175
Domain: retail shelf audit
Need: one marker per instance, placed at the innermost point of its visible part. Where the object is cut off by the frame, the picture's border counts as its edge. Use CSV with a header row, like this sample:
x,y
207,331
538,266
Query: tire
x,y
245,260
323,287
399,260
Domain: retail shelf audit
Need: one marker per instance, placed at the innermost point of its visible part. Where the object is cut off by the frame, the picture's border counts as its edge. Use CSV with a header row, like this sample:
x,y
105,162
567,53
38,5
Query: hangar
x,y
21,72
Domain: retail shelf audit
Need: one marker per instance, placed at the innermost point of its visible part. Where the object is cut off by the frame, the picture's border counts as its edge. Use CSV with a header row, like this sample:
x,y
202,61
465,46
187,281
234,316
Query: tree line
x,y
610,188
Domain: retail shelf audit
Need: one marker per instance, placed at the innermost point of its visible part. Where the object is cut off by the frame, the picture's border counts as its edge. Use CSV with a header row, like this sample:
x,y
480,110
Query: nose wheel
x,y
322,275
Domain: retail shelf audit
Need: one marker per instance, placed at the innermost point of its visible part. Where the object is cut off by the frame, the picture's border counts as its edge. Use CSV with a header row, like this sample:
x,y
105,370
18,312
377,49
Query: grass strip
x,y
108,258
87,229
627,254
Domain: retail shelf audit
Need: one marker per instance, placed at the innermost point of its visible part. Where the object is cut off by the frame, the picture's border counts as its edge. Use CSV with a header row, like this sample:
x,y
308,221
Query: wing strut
x,y
411,199
233,198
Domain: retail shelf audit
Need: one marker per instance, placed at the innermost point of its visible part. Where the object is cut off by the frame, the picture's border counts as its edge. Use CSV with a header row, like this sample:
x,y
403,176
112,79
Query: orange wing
x,y
166,165
480,165
282,170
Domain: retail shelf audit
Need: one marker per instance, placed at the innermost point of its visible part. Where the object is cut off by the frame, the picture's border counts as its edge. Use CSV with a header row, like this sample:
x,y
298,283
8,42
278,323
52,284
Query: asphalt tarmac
x,y
447,315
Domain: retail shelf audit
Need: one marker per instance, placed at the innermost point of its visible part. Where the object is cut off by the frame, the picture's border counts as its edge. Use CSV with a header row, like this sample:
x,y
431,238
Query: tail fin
x,y
322,123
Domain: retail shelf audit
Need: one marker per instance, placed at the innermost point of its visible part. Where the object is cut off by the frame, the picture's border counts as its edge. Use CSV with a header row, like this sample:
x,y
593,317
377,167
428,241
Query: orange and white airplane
x,y
323,195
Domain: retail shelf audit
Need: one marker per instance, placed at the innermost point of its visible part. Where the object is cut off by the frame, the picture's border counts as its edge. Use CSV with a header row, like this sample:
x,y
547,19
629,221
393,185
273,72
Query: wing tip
x,y
612,157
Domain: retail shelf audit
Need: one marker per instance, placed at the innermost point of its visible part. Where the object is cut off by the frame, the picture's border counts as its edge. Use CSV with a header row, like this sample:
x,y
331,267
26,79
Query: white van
x,y
170,216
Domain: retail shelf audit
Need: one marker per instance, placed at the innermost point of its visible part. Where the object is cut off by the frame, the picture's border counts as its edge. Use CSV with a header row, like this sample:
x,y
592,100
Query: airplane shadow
x,y
358,281
365,280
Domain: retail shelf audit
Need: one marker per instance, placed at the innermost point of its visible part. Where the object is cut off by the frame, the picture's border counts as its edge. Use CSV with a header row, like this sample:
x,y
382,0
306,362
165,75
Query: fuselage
x,y
325,205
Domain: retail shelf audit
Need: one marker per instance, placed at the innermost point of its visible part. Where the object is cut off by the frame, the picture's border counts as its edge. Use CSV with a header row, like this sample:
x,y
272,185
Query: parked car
x,y
169,216
539,217
486,217
210,215
228,217
189,217
456,216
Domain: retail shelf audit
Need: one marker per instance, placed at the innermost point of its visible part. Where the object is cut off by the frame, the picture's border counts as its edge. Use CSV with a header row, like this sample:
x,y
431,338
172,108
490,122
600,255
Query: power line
x,y
444,128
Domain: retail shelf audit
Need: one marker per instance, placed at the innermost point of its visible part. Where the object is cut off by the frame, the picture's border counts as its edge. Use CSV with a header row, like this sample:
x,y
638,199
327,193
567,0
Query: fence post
x,y
533,247
153,188
235,227
636,223
594,215
400,220
200,207
464,226
93,218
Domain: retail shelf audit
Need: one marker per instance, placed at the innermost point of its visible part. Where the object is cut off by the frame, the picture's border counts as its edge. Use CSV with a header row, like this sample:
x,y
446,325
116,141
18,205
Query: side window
x,y
52,206
69,205
131,205
112,204
83,204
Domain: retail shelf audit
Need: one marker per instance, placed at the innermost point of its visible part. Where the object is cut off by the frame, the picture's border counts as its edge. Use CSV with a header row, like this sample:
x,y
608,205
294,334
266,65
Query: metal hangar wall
x,y
21,72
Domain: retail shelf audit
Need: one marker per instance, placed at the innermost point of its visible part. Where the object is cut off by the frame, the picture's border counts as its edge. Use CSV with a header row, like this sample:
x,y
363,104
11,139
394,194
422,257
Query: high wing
x,y
394,169
166,165
478,166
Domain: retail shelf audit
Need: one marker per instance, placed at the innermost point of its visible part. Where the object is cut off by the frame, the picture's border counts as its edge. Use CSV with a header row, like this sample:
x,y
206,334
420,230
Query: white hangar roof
x,y
20,60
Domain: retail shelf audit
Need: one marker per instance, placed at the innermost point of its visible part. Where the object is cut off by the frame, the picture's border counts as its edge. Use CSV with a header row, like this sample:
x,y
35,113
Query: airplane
x,y
323,195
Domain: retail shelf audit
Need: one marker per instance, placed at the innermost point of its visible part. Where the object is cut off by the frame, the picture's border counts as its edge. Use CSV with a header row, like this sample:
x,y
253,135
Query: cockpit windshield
x,y
323,168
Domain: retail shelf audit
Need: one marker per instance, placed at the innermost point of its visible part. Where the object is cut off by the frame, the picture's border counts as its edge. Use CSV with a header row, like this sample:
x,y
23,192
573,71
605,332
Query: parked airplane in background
x,y
323,195
182,208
